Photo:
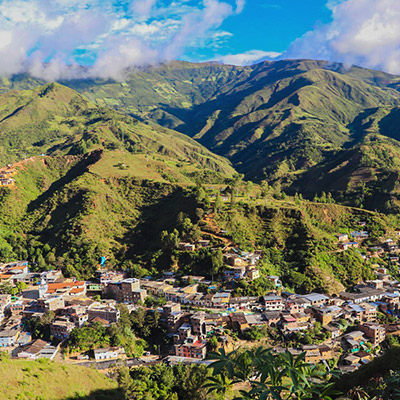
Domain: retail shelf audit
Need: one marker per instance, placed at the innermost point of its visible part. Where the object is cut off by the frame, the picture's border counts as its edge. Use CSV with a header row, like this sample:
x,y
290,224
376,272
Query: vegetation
x,y
162,382
275,377
46,380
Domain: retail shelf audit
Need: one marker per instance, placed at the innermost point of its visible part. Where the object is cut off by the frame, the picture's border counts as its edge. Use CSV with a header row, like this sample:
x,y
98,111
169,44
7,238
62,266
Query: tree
x,y
213,343
270,376
218,203
249,188
217,261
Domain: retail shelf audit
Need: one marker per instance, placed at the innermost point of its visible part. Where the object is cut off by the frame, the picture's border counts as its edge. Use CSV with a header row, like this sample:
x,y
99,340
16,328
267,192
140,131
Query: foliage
x,y
162,382
96,335
278,377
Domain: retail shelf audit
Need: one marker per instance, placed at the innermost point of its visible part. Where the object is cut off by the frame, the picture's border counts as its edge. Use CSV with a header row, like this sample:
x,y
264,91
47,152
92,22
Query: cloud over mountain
x,y
52,39
363,32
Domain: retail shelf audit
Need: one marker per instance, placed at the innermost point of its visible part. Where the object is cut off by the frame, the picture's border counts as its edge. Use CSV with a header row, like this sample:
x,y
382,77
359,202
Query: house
x,y
184,246
326,352
312,354
61,327
358,236
37,349
376,250
127,290
108,353
288,322
375,284
275,279
242,302
196,349
342,237
203,243
109,313
233,259
348,245
272,317
326,314
272,302
155,288
221,299
354,340
352,360
17,307
391,246
192,278
237,272
105,277
184,332
5,303
8,337
316,299
46,304
253,274
374,332
71,288
366,296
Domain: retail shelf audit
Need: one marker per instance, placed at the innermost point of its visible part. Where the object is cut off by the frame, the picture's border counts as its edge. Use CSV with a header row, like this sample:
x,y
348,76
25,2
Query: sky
x,y
55,39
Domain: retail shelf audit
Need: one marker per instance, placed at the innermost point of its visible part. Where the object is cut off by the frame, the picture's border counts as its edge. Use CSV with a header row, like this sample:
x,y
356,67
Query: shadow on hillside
x,y
161,214
110,394
73,173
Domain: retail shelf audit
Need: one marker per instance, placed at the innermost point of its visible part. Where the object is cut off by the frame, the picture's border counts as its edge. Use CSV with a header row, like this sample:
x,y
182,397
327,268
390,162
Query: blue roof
x,y
356,308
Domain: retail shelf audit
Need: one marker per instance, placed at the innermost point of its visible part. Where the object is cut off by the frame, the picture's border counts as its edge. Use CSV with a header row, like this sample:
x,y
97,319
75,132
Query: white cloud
x,y
240,6
142,7
363,32
48,38
248,58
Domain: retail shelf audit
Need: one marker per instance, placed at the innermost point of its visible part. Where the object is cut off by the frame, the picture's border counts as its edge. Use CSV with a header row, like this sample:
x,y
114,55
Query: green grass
x,y
46,380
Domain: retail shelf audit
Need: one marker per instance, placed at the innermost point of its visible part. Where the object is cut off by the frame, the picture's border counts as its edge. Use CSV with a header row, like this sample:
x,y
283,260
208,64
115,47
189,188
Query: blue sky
x,y
269,25
52,39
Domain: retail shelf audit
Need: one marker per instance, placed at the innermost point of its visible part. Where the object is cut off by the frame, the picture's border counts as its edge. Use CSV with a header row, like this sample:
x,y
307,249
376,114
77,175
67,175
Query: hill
x,y
297,122
43,379
290,121
55,120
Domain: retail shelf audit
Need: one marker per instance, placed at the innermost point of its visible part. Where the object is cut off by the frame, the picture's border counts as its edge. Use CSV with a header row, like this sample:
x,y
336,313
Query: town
x,y
346,329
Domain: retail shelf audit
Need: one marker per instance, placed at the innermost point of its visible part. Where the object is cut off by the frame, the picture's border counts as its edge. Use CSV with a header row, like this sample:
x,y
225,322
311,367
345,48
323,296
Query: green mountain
x,y
305,124
92,181
56,120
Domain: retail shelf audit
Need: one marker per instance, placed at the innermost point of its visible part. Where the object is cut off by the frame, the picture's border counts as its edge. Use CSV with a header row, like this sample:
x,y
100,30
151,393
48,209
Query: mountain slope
x,y
56,120
290,121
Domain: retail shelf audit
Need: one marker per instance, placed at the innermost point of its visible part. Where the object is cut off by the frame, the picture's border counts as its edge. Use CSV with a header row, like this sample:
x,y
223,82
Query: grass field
x,y
47,380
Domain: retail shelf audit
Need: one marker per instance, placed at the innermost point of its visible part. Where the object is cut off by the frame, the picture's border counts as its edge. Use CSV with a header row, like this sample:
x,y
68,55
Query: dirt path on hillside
x,y
215,230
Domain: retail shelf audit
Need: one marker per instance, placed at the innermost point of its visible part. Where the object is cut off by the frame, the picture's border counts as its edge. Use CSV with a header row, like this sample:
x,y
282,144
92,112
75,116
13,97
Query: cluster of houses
x,y
387,248
48,292
6,175
290,313
197,310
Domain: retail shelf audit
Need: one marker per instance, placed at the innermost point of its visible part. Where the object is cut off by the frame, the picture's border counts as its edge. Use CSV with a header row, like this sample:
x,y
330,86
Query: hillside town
x,y
348,328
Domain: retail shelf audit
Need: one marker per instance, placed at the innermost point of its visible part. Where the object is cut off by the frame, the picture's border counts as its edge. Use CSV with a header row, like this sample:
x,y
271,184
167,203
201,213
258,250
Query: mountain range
x,y
310,125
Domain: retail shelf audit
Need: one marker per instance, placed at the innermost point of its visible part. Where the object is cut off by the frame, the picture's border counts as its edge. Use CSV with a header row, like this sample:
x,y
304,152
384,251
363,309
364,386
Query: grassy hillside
x,y
46,380
298,240
287,121
290,121
68,211
55,120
